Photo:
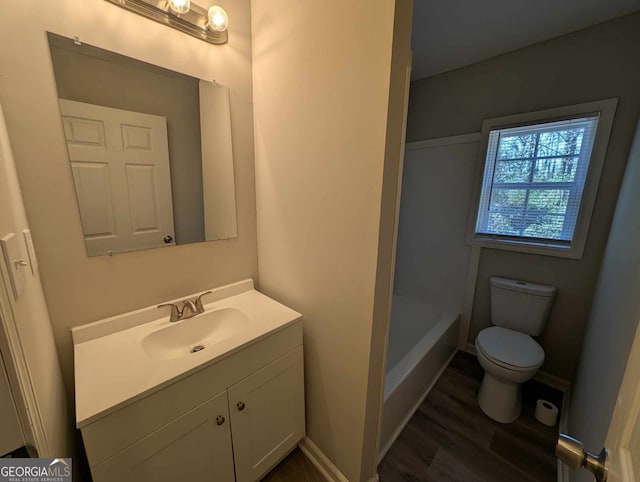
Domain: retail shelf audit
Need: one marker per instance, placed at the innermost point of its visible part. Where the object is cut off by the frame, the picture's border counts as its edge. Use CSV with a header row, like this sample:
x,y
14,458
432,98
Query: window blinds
x,y
533,180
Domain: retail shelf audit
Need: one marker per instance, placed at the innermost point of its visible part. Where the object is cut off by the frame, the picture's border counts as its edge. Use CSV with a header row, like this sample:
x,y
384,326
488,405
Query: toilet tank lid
x,y
523,286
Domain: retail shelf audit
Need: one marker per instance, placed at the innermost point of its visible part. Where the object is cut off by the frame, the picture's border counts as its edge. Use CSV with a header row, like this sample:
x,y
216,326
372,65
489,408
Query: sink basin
x,y
193,335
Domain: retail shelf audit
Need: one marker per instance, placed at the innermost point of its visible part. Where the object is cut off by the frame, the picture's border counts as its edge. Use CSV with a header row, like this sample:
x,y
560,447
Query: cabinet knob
x,y
219,419
240,406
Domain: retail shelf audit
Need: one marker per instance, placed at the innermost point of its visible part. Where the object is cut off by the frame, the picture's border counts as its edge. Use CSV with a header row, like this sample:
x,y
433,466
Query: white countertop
x,y
112,370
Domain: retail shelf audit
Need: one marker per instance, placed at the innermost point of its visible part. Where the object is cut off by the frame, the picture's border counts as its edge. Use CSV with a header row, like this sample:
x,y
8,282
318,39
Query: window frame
x,y
575,248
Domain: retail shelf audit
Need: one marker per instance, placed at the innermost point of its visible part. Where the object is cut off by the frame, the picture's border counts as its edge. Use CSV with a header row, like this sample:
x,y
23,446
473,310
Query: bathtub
x,y
422,340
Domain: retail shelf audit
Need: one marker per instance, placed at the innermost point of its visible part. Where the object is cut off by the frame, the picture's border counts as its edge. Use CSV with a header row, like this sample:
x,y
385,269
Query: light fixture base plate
x,y
193,23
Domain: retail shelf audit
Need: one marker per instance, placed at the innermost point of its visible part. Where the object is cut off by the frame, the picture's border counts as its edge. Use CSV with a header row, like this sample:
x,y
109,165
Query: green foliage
x,y
526,160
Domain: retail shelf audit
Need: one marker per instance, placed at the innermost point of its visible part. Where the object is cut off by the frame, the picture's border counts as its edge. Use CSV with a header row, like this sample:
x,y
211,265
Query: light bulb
x,y
180,6
218,19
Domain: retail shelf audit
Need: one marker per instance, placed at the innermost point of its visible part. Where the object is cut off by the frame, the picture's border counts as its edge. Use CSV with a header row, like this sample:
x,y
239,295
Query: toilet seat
x,y
510,349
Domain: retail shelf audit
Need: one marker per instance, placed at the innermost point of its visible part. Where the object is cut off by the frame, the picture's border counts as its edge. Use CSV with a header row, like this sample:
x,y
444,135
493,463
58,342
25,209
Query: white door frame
x,y
19,374
11,435
626,419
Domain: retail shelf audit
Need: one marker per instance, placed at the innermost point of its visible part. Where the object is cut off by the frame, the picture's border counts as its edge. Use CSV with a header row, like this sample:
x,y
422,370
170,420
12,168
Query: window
x,y
539,178
533,179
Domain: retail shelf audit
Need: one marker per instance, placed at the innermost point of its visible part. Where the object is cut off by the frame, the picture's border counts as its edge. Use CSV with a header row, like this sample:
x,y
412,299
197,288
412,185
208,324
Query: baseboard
x,y
413,410
469,348
328,470
553,382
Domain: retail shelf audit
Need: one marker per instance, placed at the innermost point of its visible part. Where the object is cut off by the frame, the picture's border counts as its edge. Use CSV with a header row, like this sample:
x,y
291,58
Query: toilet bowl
x,y
509,358
507,351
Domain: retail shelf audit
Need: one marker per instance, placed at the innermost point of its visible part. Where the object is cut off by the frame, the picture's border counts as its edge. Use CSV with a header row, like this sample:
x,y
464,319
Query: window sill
x,y
572,251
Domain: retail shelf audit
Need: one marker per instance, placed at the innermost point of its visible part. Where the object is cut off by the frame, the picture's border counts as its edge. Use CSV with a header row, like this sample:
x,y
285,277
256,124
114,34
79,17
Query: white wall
x,y
81,289
433,257
321,74
613,321
32,319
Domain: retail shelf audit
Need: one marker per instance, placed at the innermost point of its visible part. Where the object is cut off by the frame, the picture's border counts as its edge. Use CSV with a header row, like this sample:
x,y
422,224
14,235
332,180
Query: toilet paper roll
x,y
546,413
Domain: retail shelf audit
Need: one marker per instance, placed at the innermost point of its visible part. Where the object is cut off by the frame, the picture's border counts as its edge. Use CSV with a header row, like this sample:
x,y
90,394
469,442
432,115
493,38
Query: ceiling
x,y
448,34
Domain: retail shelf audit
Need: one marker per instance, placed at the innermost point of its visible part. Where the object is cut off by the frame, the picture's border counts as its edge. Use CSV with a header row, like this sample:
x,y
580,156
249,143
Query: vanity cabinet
x,y
267,416
195,446
227,412
239,434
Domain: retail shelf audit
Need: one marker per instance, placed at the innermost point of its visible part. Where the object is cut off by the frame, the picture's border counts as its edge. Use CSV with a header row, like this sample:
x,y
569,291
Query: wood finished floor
x,y
450,439
295,467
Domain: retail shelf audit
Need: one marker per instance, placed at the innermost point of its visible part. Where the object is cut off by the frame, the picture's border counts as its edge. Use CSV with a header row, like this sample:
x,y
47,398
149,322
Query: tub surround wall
x,y
436,191
587,65
411,320
81,289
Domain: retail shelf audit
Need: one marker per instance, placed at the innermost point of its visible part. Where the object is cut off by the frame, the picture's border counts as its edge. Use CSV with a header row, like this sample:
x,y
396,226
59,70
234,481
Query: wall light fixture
x,y
180,6
184,15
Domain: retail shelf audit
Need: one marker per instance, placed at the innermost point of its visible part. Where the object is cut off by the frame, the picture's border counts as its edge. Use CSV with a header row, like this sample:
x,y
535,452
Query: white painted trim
x,y
469,296
396,226
563,472
553,381
328,470
413,410
374,479
18,372
606,109
563,427
469,348
443,141
625,470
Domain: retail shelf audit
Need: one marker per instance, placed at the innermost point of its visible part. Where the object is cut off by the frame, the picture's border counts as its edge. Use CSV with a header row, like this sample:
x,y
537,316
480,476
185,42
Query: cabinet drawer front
x,y
267,415
196,446
114,432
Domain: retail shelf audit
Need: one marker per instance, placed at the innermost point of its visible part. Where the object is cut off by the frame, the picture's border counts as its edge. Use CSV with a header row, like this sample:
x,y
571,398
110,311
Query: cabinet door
x,y
195,446
267,416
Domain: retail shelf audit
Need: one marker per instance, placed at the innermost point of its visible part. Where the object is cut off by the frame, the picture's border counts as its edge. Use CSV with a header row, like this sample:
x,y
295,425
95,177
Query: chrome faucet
x,y
189,309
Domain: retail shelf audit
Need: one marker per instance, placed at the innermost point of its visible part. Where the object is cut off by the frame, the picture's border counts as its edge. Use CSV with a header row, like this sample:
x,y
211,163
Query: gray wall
x,y
595,63
613,320
96,76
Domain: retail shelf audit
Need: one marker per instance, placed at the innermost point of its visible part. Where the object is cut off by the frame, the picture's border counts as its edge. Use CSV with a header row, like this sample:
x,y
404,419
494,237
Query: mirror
x,y
149,151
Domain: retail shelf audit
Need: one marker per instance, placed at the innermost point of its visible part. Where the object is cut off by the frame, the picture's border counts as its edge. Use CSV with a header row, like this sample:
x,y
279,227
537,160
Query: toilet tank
x,y
519,305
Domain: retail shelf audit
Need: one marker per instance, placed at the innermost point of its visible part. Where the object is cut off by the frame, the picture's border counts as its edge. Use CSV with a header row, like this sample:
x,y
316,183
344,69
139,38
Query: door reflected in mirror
x,y
149,150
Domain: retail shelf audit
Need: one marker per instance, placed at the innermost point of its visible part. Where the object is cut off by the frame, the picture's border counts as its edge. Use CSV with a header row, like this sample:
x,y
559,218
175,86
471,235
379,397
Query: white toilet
x,y
506,351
